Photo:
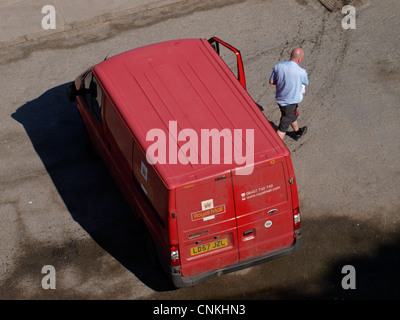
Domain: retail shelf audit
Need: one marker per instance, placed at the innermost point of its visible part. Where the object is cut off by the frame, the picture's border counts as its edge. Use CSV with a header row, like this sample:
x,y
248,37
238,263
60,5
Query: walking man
x,y
289,79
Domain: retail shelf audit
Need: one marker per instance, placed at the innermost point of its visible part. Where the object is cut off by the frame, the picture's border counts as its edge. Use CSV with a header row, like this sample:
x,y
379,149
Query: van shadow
x,y
94,201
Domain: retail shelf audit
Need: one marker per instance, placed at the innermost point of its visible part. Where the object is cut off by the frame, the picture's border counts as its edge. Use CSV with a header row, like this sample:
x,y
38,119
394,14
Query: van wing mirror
x,y
93,90
216,42
71,92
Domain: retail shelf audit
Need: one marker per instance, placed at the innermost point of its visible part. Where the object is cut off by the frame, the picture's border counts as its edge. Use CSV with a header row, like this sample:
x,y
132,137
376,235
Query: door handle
x,y
248,232
248,235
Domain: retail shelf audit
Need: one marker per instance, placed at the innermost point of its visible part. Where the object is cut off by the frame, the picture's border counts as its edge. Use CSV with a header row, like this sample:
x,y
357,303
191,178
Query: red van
x,y
194,156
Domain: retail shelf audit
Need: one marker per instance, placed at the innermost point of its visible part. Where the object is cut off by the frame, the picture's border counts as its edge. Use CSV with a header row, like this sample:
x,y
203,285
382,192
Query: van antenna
x,y
107,55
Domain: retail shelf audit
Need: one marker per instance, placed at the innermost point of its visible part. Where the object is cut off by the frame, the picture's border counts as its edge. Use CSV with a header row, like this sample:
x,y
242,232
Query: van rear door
x,y
207,225
263,209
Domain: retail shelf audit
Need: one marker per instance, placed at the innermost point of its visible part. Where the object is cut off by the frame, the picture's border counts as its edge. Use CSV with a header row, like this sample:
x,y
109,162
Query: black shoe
x,y
298,134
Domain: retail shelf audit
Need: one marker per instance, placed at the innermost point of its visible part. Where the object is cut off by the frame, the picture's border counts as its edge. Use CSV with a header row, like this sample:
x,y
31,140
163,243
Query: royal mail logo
x,y
207,204
209,213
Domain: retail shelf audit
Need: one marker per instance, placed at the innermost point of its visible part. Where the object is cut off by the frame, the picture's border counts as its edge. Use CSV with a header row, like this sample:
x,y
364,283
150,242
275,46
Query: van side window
x,y
93,95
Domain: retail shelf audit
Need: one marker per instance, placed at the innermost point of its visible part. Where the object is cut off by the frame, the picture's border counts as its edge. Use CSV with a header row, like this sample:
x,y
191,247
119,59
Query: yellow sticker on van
x,y
209,213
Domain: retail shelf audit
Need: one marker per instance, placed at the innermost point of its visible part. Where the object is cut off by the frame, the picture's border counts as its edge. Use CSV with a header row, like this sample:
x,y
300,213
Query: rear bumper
x,y
180,281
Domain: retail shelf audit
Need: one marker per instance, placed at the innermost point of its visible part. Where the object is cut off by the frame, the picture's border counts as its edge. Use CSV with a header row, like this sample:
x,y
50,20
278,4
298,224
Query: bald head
x,y
297,55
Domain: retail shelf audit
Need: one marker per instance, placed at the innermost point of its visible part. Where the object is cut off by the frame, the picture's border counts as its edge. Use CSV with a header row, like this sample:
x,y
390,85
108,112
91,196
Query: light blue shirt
x,y
289,78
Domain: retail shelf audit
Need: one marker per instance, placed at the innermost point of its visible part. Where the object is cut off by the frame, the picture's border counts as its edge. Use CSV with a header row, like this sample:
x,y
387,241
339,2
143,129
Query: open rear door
x,y
263,209
239,72
207,225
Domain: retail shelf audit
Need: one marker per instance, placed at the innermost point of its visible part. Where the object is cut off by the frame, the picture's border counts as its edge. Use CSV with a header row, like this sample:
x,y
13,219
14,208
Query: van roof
x,y
185,81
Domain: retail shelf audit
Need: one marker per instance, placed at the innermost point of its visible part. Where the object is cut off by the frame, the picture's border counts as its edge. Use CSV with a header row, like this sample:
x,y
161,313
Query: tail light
x,y
296,218
175,261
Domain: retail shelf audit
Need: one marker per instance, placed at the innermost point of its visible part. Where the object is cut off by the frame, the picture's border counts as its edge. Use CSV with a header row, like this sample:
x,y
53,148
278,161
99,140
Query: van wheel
x,y
89,147
160,280
164,282
152,253
150,247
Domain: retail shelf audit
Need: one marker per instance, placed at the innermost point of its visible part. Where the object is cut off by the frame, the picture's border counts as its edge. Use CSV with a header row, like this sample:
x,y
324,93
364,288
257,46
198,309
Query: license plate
x,y
208,246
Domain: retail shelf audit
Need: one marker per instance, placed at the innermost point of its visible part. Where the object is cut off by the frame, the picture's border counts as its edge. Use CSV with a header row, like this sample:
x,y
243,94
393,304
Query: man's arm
x,y
305,78
272,77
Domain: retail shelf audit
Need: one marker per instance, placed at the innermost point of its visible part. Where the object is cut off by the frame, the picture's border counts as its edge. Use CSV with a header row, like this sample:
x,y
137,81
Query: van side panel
x,y
138,181
118,148
119,141
155,195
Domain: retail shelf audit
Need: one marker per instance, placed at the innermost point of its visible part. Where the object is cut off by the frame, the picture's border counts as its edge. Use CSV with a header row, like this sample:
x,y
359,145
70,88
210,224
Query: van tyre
x,y
152,254
89,147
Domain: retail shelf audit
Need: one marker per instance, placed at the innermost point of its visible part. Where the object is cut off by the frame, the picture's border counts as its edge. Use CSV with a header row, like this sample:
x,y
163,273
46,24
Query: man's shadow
x,y
57,133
